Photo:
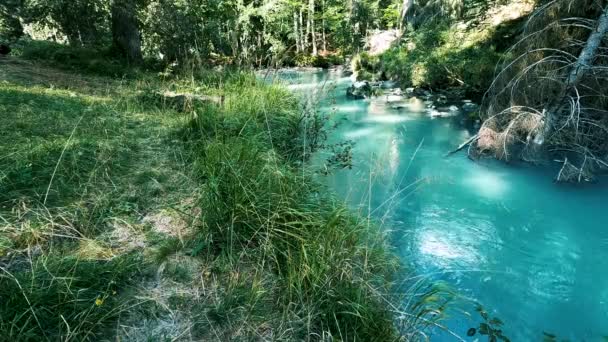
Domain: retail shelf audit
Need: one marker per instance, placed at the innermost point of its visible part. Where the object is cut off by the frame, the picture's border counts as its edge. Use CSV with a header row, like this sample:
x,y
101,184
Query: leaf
x,y
484,329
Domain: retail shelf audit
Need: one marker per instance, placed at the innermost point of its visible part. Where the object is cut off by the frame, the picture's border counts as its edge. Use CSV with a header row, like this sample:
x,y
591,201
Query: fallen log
x,y
463,145
183,102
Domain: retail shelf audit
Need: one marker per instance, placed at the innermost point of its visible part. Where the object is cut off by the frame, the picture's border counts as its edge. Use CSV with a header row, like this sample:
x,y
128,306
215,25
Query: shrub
x,y
91,60
332,267
319,61
441,56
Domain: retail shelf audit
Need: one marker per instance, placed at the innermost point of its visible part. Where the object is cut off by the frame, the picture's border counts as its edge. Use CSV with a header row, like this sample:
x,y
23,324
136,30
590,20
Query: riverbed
x,y
533,253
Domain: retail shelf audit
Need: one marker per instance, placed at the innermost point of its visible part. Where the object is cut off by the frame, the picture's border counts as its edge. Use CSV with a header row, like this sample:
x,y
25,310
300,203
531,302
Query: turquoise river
x,y
531,252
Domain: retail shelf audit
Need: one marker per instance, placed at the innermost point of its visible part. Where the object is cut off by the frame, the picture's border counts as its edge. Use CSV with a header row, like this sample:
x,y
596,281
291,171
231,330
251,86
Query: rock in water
x,y
359,90
389,85
4,50
471,332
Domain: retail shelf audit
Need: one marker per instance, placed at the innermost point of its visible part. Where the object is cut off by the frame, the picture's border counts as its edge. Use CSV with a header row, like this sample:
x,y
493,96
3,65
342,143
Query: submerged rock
x,y
469,106
359,90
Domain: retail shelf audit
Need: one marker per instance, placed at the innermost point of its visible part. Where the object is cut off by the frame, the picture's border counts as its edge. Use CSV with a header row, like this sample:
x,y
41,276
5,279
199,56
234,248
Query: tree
x,y
311,26
83,22
10,23
549,97
126,36
584,63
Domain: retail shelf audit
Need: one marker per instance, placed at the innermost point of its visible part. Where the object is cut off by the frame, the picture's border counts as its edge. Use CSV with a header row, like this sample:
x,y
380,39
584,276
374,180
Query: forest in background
x,y
236,31
484,48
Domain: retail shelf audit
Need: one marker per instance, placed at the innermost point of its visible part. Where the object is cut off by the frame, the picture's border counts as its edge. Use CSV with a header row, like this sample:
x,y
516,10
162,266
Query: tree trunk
x,y
295,31
584,62
351,20
405,8
311,25
303,39
323,28
125,30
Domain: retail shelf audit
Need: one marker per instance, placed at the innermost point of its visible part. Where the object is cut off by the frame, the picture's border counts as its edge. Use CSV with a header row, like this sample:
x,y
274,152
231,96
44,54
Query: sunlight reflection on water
x,y
533,253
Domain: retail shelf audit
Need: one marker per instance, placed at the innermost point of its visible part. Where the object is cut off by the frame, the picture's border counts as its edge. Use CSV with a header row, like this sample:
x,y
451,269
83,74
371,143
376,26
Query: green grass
x,y
205,222
63,297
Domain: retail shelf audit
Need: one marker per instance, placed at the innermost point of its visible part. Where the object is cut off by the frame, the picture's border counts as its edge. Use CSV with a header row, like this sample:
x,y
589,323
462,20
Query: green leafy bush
x,y
98,61
440,56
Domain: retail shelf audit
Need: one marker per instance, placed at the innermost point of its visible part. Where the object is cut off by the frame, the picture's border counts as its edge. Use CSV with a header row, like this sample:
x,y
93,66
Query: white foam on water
x,y
350,109
388,119
487,183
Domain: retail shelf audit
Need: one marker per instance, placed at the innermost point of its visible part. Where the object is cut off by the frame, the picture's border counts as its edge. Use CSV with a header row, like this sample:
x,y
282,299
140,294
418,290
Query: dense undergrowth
x,y
125,218
442,54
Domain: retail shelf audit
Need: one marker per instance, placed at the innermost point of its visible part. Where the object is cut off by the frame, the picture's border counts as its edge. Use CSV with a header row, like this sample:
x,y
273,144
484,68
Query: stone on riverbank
x,y
359,90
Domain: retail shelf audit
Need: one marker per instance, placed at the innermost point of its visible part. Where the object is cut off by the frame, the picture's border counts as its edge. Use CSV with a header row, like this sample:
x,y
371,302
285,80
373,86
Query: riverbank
x,y
485,229
442,55
126,217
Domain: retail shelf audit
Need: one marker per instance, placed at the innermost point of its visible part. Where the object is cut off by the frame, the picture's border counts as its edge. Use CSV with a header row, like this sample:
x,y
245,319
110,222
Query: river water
x,y
531,252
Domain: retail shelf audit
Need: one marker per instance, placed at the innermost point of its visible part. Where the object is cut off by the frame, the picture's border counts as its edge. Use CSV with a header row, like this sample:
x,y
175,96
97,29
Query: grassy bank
x,y
124,217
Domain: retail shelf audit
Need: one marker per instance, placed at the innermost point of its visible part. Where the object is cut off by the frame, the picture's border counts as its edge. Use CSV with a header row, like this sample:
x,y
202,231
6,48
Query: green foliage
x,y
256,201
10,26
182,29
99,61
286,256
305,60
367,67
440,56
83,22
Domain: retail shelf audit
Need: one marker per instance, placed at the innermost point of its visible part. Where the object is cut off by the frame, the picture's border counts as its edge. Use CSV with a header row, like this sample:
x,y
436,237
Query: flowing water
x,y
533,253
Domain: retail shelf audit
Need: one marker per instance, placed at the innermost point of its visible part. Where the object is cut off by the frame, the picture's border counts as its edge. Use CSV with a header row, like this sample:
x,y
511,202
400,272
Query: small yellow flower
x,y
99,302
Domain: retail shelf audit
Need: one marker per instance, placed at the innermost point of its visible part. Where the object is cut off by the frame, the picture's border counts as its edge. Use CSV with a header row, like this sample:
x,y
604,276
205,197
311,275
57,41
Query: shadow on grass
x,y
60,149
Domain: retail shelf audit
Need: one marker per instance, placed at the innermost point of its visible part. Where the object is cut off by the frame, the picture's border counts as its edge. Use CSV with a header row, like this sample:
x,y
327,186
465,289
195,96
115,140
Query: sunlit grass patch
x,y
215,201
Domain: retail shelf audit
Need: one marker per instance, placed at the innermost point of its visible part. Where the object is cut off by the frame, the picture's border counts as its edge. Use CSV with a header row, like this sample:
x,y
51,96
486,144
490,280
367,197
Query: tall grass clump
x,y
63,297
332,270
100,182
79,159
